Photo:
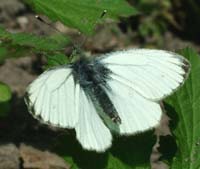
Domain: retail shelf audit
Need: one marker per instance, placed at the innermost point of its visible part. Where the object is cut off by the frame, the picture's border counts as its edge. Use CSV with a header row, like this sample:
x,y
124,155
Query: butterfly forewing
x,y
154,74
52,96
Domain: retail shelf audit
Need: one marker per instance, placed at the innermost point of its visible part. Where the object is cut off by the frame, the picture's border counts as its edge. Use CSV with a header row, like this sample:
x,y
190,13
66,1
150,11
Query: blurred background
x,y
164,24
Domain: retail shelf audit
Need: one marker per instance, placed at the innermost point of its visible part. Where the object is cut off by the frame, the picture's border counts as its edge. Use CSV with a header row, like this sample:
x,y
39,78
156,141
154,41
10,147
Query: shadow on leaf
x,y
128,152
172,114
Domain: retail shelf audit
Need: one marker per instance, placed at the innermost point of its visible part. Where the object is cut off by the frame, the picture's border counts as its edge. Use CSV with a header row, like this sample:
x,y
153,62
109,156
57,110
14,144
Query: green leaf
x,y
131,152
82,15
33,42
39,43
8,51
21,44
5,97
5,92
56,60
185,104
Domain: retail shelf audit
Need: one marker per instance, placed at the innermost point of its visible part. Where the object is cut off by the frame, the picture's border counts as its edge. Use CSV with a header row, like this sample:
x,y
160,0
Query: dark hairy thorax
x,y
92,77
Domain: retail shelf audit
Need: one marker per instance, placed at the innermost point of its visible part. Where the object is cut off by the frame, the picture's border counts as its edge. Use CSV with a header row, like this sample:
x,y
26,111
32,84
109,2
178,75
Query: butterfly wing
x,y
56,99
52,97
137,113
139,79
154,74
90,129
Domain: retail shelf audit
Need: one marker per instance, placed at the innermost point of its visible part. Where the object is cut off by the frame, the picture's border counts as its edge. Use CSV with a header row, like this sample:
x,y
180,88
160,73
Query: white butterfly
x,y
124,87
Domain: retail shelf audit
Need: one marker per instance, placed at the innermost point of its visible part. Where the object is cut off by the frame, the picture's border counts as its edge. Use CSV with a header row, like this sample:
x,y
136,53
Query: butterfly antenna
x,y
54,28
49,24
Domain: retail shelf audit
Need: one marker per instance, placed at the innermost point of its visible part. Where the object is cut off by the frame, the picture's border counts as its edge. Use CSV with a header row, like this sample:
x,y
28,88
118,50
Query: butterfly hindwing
x,y
136,112
90,129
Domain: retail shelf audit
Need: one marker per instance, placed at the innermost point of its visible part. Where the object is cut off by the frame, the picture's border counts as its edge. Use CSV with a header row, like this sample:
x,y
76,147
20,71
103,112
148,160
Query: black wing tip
x,y
186,67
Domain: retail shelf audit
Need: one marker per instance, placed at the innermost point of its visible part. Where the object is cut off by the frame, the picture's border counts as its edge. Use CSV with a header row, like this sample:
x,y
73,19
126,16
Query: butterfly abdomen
x,y
92,77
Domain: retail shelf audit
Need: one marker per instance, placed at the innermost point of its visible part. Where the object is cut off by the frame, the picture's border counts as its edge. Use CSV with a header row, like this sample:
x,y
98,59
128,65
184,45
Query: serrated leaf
x,y
80,14
186,103
126,153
